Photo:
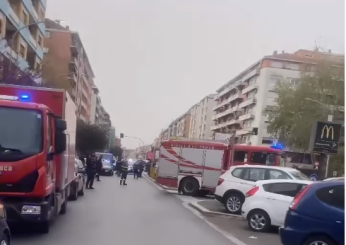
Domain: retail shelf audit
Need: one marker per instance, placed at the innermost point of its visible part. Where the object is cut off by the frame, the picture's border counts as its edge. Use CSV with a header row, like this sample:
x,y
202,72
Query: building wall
x,y
67,66
195,121
26,50
205,117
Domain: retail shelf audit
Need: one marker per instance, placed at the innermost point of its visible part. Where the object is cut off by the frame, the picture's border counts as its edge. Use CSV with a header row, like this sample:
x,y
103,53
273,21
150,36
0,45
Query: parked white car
x,y
267,203
238,180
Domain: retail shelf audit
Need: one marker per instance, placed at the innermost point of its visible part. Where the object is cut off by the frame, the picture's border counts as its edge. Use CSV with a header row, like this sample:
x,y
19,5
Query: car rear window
x,y
298,175
333,196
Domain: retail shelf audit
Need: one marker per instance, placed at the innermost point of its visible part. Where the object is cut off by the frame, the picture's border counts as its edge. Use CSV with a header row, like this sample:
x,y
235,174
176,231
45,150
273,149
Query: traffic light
x,y
254,131
121,135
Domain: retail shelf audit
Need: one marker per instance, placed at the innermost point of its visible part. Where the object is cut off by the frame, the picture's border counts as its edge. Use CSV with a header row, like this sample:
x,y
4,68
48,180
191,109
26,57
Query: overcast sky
x,y
153,59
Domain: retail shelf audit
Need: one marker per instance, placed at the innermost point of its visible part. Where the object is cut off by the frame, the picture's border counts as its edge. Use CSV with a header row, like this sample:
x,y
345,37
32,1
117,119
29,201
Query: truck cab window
x,y
240,156
263,158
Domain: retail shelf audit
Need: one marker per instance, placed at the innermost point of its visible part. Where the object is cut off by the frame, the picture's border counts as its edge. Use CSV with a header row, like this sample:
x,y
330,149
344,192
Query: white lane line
x,y
188,199
230,237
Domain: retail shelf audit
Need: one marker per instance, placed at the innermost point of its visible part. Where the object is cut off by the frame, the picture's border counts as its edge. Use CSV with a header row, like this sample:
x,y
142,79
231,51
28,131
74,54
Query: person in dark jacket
x,y
118,167
98,168
124,169
140,168
135,170
90,171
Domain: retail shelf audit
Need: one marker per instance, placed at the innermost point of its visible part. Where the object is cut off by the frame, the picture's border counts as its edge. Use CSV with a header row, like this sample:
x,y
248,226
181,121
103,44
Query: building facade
x,y
67,66
24,46
96,106
241,101
111,136
201,118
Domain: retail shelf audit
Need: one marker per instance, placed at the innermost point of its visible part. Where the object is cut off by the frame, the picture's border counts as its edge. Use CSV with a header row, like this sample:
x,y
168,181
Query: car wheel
x,y
233,203
190,186
74,194
258,220
319,240
5,240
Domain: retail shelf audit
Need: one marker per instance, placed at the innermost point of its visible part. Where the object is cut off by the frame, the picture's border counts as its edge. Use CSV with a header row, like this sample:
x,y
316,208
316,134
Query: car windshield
x,y
21,131
105,156
298,175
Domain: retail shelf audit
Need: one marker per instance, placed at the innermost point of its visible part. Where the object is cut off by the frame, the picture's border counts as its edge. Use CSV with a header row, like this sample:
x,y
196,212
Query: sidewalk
x,y
212,207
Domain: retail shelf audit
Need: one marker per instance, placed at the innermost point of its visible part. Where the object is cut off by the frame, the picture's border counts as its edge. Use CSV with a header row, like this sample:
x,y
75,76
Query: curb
x,y
206,211
168,189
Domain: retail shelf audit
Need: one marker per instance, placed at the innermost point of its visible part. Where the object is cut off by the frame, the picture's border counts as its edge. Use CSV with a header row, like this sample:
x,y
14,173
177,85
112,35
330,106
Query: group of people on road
x,y
122,169
93,167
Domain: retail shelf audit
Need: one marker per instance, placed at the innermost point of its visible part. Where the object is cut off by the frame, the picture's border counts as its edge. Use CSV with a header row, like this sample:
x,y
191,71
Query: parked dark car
x,y
107,168
316,215
80,180
5,231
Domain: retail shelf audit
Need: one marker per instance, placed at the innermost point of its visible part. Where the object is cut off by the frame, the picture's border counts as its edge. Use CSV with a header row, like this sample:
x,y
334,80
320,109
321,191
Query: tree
x,y
90,138
116,151
319,93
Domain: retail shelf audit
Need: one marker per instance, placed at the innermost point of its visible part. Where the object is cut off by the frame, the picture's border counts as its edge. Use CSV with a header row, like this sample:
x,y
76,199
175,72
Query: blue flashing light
x,y
277,146
24,97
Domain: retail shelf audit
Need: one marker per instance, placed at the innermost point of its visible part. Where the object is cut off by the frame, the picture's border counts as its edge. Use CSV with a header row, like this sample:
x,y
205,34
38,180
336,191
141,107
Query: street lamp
x,y
16,32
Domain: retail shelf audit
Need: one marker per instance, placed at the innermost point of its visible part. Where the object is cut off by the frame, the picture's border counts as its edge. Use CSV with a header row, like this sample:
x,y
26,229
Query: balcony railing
x,y
243,131
14,17
247,102
249,88
226,112
246,116
225,124
230,99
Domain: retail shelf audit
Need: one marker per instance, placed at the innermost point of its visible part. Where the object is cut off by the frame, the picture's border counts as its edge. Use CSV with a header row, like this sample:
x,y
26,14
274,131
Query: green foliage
x,y
298,106
90,138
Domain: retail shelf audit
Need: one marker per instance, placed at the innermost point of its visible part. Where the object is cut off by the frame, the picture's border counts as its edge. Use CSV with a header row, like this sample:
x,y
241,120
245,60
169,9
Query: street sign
x,y
313,177
325,137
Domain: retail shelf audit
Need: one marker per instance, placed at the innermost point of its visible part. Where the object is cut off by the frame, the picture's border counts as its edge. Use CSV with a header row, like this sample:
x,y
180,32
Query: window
x,y
254,174
49,133
47,34
22,50
277,174
333,196
286,189
240,156
263,158
237,172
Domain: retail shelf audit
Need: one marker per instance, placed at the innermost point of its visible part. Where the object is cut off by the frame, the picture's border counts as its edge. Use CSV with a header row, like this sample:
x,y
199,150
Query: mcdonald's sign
x,y
325,137
327,132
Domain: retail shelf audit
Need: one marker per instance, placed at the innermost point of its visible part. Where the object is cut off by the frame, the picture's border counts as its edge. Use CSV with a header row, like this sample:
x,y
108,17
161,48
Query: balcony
x,y
249,88
14,57
73,80
228,89
224,124
251,74
226,112
74,47
14,17
247,102
243,131
246,116
230,99
73,65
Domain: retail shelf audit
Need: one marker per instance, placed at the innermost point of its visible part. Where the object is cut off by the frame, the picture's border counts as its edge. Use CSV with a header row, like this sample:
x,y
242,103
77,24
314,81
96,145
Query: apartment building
x,y
95,110
201,118
23,46
111,136
241,101
66,65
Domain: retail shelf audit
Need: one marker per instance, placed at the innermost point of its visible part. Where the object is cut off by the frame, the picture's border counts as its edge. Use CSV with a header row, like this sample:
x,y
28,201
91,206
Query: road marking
x,y
188,199
233,239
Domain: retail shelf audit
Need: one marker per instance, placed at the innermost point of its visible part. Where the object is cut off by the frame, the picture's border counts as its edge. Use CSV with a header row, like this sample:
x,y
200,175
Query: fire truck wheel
x,y
189,186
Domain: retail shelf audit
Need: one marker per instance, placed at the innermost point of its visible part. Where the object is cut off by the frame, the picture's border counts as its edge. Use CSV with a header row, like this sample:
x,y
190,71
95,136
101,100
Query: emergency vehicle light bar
x,y
23,97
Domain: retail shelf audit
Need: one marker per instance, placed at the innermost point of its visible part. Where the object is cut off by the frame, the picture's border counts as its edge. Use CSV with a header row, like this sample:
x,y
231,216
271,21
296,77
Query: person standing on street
x,y
140,168
98,168
124,169
135,170
118,167
90,172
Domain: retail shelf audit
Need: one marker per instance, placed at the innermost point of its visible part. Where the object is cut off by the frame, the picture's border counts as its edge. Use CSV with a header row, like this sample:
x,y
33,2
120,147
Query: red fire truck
x,y
37,153
194,166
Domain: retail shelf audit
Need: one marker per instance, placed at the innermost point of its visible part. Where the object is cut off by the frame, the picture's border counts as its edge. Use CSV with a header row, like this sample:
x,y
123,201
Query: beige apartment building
x,y
241,101
180,127
66,65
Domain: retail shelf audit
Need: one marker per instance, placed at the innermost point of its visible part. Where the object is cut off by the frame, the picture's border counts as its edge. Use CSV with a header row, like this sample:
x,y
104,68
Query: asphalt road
x,y
133,214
